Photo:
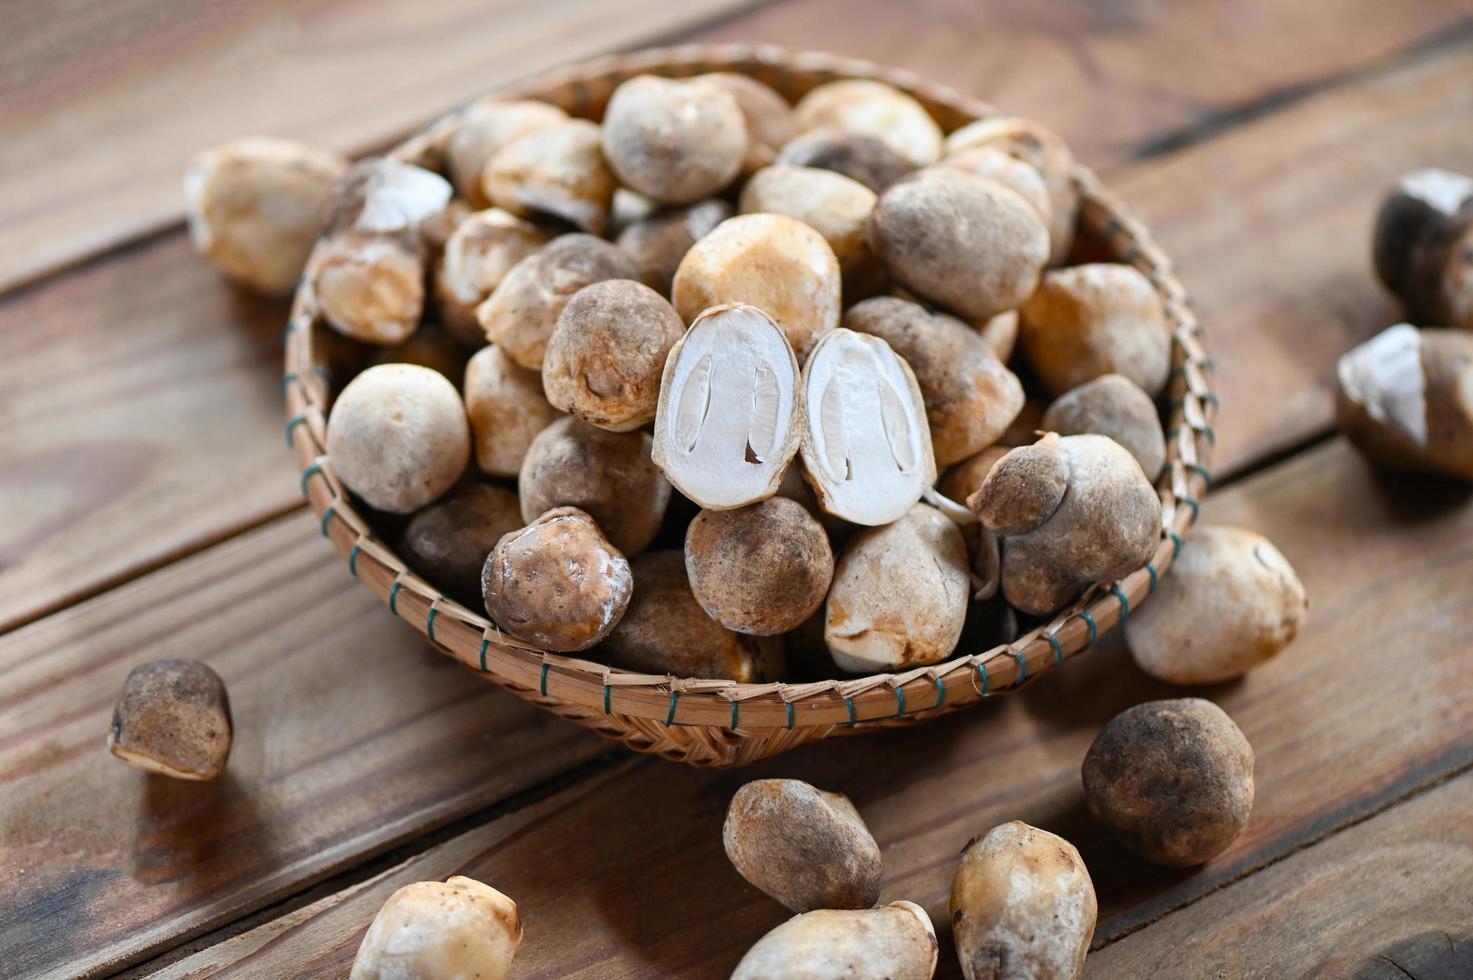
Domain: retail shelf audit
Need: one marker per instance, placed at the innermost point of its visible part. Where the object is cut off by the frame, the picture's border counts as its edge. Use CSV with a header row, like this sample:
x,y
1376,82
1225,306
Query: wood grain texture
x,y
350,736
1383,900
102,103
1372,702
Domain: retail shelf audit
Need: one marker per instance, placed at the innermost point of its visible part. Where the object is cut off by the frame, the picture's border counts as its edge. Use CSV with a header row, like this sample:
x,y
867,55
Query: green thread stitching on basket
x,y
327,516
1053,641
1201,471
674,699
287,379
982,669
1175,545
430,623
484,644
1022,666
353,560
899,701
292,423
313,469
1124,603
853,716
1151,567
1192,503
608,693
1094,629
940,691
545,667
790,716
734,712
394,597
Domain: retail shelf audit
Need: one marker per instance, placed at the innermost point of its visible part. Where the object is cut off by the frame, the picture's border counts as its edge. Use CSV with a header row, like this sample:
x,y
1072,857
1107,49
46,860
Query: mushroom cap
x,y
479,253
869,108
507,410
866,159
1112,405
370,286
557,583
173,718
674,140
480,132
386,196
835,206
1024,488
761,569
558,171
806,848
1172,779
660,240
769,118
1016,175
431,930
398,437
1231,602
447,542
894,941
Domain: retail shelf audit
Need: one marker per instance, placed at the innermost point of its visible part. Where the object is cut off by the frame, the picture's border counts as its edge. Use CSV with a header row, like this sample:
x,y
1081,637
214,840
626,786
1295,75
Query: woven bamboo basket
x,y
723,723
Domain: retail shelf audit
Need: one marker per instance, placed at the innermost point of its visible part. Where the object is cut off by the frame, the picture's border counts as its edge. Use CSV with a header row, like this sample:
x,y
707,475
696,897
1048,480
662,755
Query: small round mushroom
x,y
521,313
386,196
431,930
835,206
665,631
866,445
806,848
1018,176
769,118
970,398
1172,779
482,129
448,541
728,423
894,941
173,718
900,594
963,241
1045,152
1112,405
558,171
1090,320
674,140
869,108
398,437
1424,246
479,253
255,207
965,478
770,261
761,569
507,410
557,583
369,286
1073,510
605,358
1022,905
1001,333
1231,602
660,240
1405,399
866,159
608,474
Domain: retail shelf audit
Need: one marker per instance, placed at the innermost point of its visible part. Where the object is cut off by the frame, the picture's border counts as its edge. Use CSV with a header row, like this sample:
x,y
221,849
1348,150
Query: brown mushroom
x,y
866,159
1424,246
869,108
659,241
1112,405
173,718
447,542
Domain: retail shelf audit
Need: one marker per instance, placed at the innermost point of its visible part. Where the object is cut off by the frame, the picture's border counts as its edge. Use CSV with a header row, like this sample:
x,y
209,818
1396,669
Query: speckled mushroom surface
x,y
1112,405
895,942
674,140
173,718
459,929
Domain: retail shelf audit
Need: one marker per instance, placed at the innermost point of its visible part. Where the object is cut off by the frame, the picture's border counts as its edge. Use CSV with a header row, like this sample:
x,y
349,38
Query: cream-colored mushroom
x,y
895,941
659,240
479,253
558,171
835,206
386,196
482,129
870,108
674,140
769,118
866,159
507,410
370,286
458,929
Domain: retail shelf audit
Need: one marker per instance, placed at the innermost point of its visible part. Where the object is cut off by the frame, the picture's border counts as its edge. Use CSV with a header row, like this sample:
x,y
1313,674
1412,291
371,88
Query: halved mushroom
x,y
866,445
728,424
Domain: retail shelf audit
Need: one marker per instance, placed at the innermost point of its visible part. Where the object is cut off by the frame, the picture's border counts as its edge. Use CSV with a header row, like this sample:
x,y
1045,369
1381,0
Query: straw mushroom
x,y
665,631
605,358
482,129
507,410
761,569
1001,333
1022,905
479,253
173,718
768,116
255,207
866,159
608,474
1424,246
806,848
1172,779
1073,510
557,171
674,140
770,261
835,206
386,196
866,444
970,398
1014,174
728,424
521,313
557,583
894,941
448,541
1231,602
660,240
965,478
1405,399
960,240
398,437
370,286
1045,152
899,597
869,108
429,930
1112,405
1090,320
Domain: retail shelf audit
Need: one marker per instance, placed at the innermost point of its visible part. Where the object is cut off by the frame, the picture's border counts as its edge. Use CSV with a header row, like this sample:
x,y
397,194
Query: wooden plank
x,y
351,736
102,103
1384,900
121,391
1371,703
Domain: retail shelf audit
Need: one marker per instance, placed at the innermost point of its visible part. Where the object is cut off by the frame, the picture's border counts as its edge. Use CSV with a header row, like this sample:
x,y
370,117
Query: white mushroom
x,y
559,171
894,942
454,930
482,129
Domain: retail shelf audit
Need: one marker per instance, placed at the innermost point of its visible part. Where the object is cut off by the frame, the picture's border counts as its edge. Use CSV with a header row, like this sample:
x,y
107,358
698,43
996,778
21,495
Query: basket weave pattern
x,y
718,722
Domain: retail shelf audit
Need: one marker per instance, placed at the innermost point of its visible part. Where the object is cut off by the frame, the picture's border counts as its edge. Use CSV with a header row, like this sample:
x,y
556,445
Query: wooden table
x,y
150,509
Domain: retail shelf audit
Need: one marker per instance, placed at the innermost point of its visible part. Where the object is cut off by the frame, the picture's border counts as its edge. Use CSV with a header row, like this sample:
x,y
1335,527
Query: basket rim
x,y
875,700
